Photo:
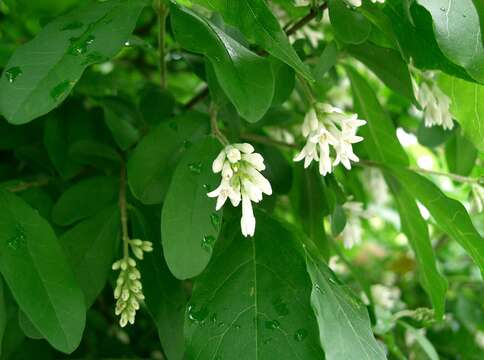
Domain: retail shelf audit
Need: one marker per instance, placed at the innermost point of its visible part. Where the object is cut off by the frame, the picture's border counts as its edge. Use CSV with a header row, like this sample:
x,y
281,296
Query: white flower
x,y
435,104
242,181
329,127
352,232
477,198
385,296
357,3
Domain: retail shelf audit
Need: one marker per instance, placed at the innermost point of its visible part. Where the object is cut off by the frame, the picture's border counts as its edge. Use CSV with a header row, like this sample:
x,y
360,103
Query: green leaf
x,y
252,302
388,65
432,136
56,140
344,324
151,165
309,201
41,73
458,33
415,228
278,169
3,314
27,327
460,154
156,105
95,153
450,214
165,299
45,290
121,118
189,223
381,141
326,61
285,79
349,24
338,220
467,106
246,78
257,22
91,248
84,199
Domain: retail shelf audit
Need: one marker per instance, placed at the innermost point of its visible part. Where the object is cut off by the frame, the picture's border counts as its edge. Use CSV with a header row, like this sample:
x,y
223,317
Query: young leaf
x,y
344,324
326,61
265,282
91,248
450,214
388,65
256,21
467,106
381,141
416,229
84,199
458,33
246,78
189,223
154,158
341,15
62,50
46,290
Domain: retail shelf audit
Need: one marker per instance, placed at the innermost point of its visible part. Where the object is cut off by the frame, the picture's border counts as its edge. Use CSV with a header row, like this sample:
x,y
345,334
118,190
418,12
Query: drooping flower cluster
x,y
327,127
241,181
128,291
435,104
352,232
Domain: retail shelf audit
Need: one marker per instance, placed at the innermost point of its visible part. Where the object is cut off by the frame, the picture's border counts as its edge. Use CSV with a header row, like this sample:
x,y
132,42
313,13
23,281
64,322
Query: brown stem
x,y
215,130
42,181
290,30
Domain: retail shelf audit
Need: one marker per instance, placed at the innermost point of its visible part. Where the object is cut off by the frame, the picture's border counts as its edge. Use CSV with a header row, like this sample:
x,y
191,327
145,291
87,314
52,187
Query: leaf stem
x,y
123,210
163,11
22,186
215,130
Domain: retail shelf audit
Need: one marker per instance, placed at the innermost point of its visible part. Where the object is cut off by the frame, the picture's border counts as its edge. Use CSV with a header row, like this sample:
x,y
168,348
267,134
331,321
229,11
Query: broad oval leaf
x,y
380,139
62,50
458,33
153,160
3,314
467,106
252,302
246,78
341,16
84,199
257,22
460,154
189,223
449,214
46,290
344,324
416,229
91,248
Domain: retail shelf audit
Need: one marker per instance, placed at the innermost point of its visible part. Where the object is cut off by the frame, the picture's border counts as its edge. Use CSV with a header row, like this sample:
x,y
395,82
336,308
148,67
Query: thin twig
x,y
22,186
290,30
458,178
163,11
123,210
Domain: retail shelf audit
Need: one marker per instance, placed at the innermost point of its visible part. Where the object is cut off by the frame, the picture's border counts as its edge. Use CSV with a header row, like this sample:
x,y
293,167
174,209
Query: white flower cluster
x,y
326,125
435,105
357,3
242,181
128,291
477,198
352,232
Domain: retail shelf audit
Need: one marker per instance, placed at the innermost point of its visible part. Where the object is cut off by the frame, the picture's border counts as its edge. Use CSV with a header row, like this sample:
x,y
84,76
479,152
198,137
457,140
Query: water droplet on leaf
x,y
280,306
195,168
207,242
215,220
13,73
300,334
272,325
79,45
197,315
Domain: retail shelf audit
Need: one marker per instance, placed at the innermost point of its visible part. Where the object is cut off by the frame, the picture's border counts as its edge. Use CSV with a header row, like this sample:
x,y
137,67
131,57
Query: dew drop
x,y
197,315
205,186
442,9
272,325
18,239
300,335
195,168
187,144
213,318
72,26
221,324
60,89
215,220
13,73
236,326
207,242
79,45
